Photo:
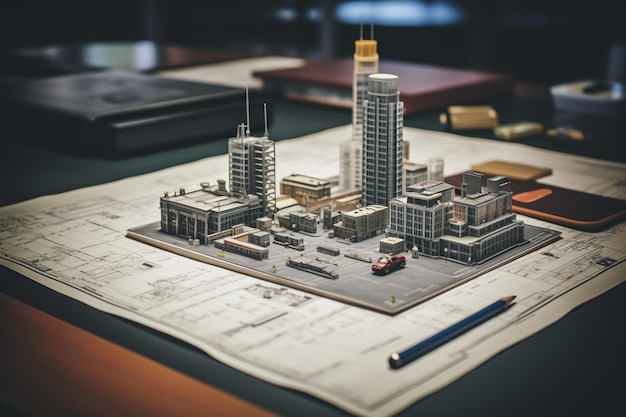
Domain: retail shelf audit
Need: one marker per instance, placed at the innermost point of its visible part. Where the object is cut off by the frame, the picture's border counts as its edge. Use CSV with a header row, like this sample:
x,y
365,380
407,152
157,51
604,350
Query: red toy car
x,y
386,264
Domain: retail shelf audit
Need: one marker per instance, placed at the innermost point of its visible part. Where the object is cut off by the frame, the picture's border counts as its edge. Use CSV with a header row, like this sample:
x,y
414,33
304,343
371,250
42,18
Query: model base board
x,y
352,279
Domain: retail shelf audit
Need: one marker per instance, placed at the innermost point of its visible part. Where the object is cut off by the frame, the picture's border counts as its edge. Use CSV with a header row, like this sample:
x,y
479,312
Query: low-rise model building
x,y
362,223
470,229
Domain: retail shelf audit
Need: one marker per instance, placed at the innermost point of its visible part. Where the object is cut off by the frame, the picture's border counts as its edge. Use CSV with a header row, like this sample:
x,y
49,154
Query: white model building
x,y
362,223
201,211
470,229
350,159
414,173
197,212
305,189
421,215
382,141
252,167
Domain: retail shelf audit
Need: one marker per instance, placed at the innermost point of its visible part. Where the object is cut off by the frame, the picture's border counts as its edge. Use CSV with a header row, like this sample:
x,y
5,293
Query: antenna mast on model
x,y
247,113
267,133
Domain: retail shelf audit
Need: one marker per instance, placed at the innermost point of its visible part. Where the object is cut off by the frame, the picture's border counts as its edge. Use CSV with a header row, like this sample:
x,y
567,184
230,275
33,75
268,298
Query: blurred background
x,y
540,41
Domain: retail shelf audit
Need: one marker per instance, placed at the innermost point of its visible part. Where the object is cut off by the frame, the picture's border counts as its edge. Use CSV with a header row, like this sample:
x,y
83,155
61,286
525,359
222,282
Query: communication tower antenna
x,y
267,134
247,113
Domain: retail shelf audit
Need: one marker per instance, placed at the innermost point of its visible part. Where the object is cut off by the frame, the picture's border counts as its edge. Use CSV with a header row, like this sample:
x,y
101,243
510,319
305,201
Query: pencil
x,y
401,358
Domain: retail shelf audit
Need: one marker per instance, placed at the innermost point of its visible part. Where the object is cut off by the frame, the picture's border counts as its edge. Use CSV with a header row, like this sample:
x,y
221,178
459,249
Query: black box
x,y
112,113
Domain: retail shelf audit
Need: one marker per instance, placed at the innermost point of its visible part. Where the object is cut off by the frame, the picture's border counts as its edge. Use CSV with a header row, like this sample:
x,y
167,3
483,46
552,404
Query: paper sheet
x,y
75,244
237,73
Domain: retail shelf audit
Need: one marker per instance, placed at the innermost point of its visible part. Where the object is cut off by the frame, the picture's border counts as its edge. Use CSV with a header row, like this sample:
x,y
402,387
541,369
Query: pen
x,y
401,358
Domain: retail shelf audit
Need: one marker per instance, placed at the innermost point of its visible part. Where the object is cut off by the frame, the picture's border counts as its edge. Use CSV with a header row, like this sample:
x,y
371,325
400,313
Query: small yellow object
x,y
221,253
518,130
273,269
469,118
566,133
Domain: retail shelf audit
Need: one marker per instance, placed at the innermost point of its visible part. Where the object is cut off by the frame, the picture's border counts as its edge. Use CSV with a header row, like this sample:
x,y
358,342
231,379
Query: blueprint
x,y
75,243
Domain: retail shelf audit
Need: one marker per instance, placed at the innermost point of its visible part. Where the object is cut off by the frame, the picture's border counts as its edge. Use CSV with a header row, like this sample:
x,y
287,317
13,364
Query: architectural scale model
x,y
347,255
332,253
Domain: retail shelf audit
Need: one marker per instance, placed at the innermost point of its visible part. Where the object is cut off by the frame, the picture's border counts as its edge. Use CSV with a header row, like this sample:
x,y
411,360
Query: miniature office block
x,y
304,189
302,222
264,223
259,238
197,212
329,218
420,215
470,229
362,223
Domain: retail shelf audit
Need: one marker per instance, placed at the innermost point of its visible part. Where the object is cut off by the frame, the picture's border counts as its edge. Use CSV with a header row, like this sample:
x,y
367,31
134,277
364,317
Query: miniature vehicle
x,y
386,264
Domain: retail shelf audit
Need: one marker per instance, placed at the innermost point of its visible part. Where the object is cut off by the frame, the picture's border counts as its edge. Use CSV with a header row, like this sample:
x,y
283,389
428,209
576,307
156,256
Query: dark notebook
x,y
422,87
118,112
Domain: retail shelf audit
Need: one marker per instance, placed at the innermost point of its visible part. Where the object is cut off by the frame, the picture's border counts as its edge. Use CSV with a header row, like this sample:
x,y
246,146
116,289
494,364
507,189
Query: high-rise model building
x,y
382,140
198,212
252,167
350,158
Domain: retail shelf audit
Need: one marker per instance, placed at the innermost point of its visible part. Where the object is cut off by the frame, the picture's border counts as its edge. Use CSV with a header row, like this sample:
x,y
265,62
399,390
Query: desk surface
x,y
574,366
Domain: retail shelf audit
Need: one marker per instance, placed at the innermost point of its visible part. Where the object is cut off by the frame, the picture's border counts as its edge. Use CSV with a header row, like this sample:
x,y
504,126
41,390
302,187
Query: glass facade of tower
x,y
382,141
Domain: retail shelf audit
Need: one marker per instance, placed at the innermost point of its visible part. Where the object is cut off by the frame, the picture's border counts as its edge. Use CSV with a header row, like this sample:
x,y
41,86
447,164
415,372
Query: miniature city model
x,y
349,255
337,262
337,255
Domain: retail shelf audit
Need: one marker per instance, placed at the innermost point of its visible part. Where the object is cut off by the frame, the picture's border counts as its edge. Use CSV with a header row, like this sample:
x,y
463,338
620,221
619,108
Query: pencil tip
x,y
508,300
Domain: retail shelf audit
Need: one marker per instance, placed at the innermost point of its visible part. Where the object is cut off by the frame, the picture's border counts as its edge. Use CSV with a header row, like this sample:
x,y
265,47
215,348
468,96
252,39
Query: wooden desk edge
x,y
50,367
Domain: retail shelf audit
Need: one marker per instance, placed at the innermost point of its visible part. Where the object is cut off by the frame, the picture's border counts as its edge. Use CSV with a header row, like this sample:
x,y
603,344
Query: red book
x,y
422,87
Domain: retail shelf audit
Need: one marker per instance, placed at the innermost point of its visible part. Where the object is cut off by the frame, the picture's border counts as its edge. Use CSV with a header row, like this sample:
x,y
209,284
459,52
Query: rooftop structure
x,y
414,172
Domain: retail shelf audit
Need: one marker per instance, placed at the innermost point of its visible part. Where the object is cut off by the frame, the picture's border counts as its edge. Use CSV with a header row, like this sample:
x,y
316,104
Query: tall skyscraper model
x,y
382,141
252,167
200,211
350,157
